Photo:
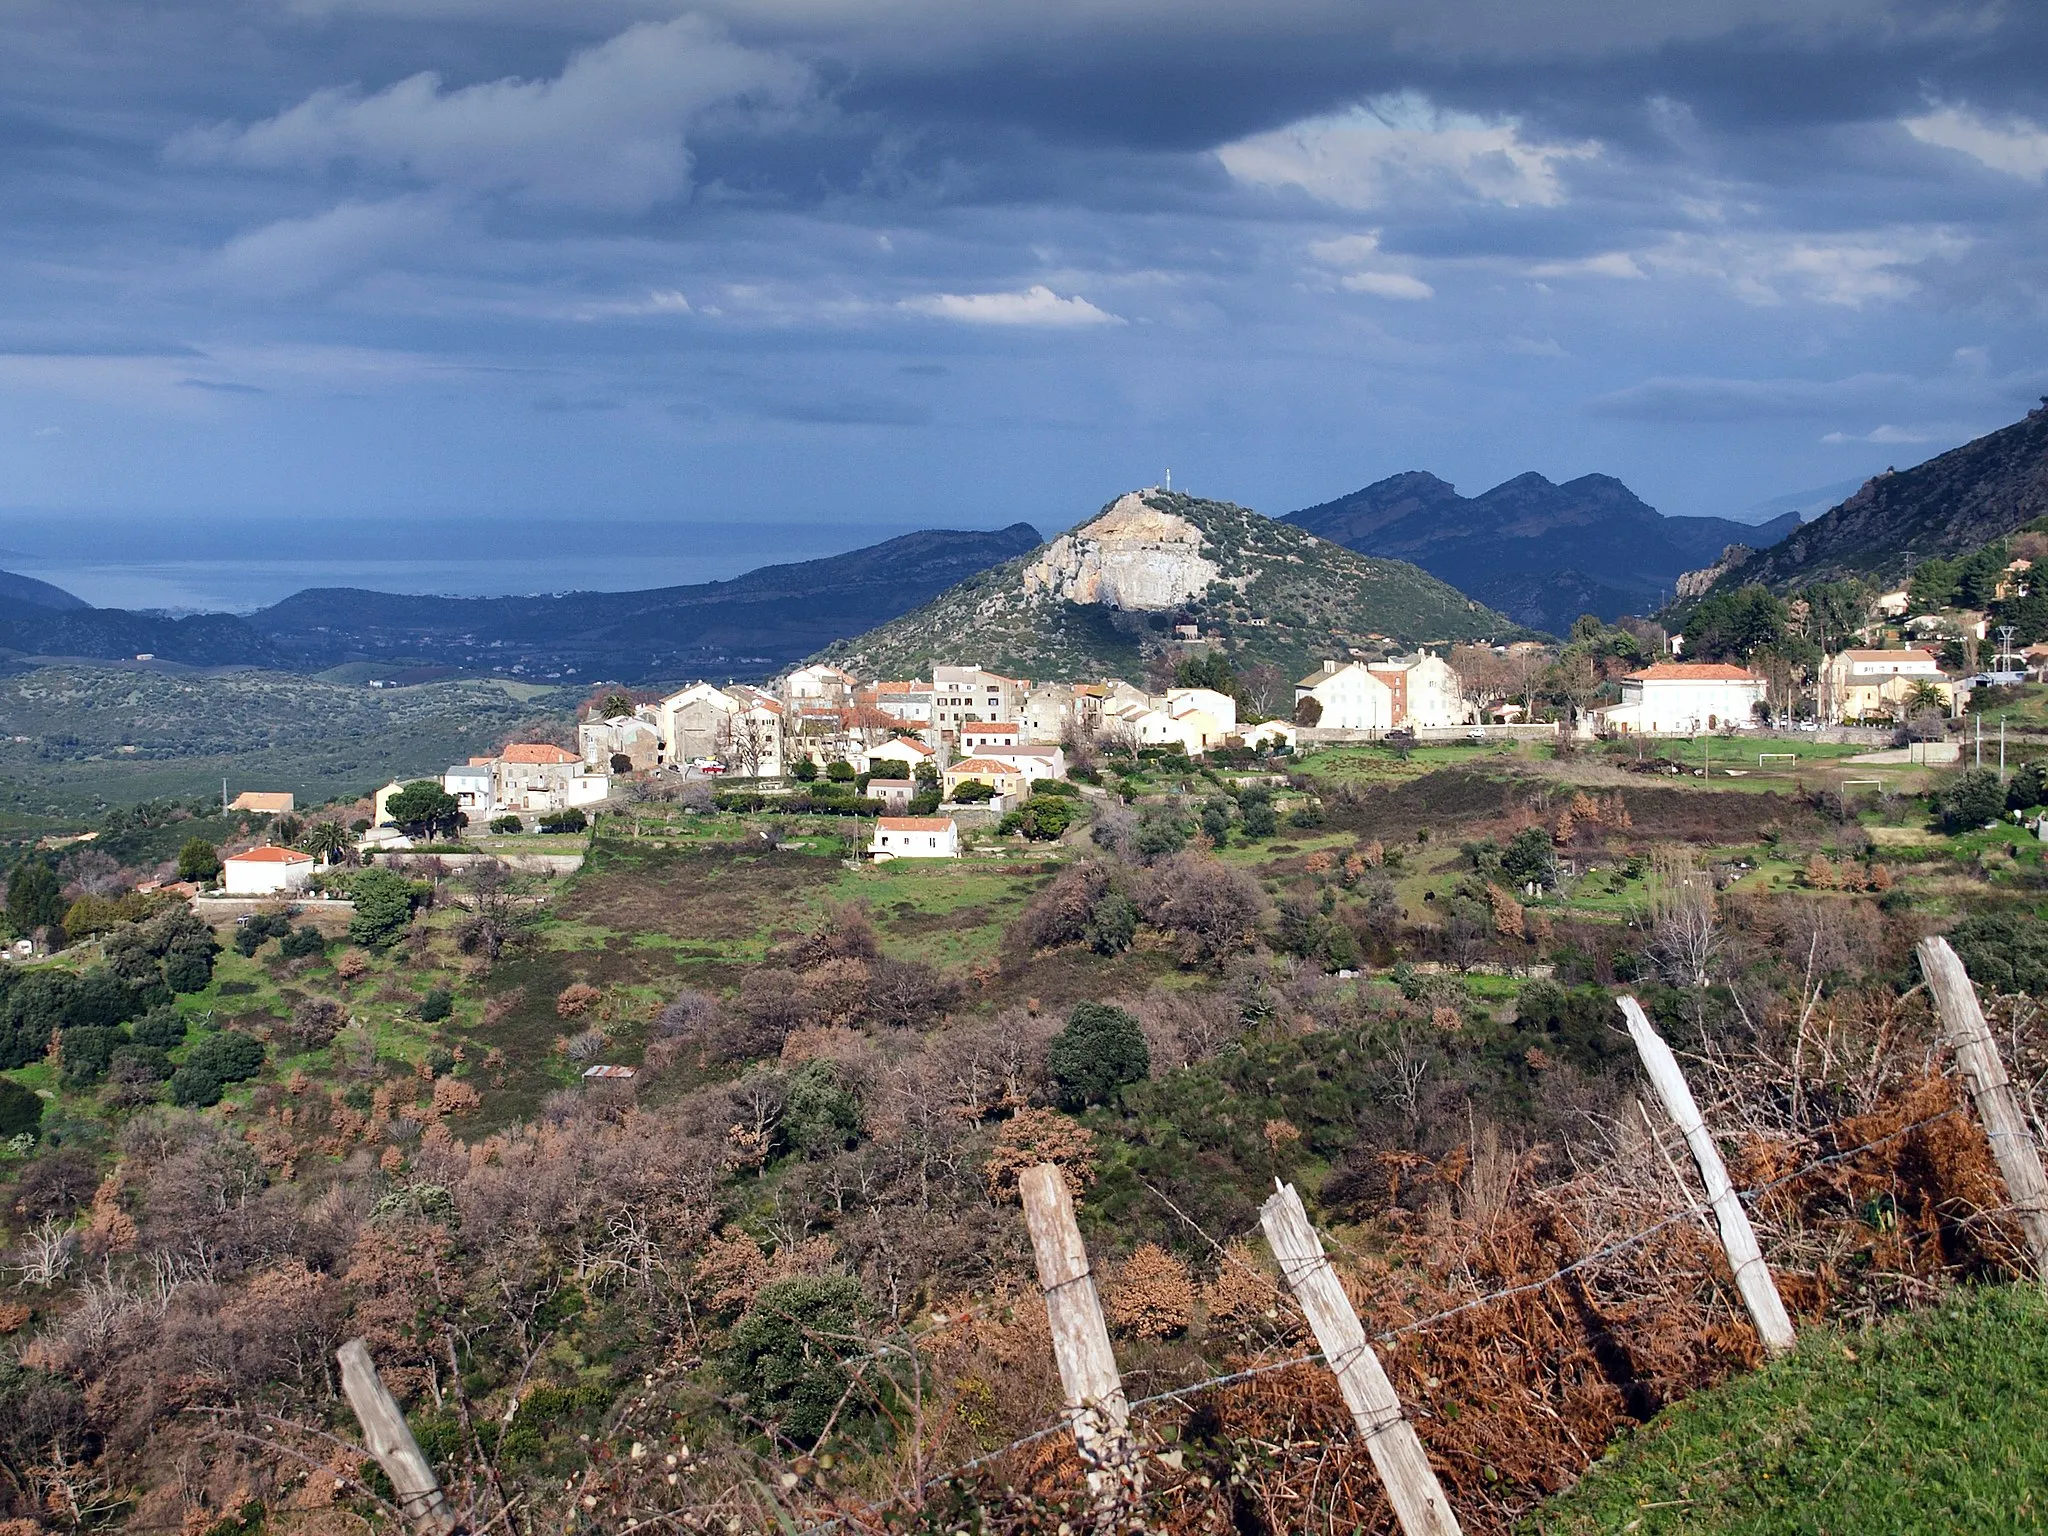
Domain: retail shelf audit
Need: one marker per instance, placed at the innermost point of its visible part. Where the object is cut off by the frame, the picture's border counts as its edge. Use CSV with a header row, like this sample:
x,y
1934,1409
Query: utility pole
x,y
1980,741
223,797
2001,749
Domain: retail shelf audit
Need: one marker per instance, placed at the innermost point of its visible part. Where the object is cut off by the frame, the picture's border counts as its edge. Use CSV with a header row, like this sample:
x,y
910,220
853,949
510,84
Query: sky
x,y
485,272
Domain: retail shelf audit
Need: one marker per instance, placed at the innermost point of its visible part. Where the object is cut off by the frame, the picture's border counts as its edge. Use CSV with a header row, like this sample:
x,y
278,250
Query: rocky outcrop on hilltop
x,y
1122,587
1134,556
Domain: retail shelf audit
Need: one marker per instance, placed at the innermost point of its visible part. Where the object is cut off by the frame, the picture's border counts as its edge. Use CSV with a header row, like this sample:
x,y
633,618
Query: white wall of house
x,y
263,877
915,837
1436,694
1220,707
1352,699
1684,707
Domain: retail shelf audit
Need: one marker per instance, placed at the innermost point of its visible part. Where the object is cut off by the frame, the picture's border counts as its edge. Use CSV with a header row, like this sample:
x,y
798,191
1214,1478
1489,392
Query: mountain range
x,y
749,626
1539,552
1096,600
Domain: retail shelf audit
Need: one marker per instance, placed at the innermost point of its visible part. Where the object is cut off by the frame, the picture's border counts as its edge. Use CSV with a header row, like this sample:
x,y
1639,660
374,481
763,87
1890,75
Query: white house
x,y
470,784
899,759
1683,698
977,735
818,686
1270,733
1035,761
964,694
1220,707
1140,725
1351,697
915,837
265,871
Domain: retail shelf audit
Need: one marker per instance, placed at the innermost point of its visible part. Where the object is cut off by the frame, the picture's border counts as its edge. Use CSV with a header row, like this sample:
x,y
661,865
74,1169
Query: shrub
x,y
1969,800
88,1049
973,792
840,771
1058,787
1258,818
1152,1296
162,1027
819,1115
578,998
571,820
437,1005
1101,1049
21,1110
315,1021
302,944
788,1351
1034,1136
139,1064
194,1087
1112,925
230,1056
186,971
2004,951
508,823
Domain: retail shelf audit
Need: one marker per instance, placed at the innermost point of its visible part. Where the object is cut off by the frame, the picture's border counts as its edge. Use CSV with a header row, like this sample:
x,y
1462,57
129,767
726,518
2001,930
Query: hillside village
x,y
658,1092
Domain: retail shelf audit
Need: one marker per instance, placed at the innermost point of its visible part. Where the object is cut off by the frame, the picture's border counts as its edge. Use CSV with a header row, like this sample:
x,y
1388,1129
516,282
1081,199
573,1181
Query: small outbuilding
x,y
915,837
265,871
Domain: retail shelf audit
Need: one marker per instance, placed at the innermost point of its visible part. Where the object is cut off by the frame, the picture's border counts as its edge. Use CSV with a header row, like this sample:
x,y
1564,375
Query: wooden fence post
x,y
388,1439
1391,1441
1097,1409
1977,1054
1738,1237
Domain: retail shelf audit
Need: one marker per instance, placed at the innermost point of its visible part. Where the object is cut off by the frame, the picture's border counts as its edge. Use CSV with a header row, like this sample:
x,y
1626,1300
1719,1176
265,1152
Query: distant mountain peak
x,y
1541,552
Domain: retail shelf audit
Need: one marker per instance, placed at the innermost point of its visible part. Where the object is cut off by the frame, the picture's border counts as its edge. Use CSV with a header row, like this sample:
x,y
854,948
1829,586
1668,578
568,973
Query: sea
x,y
238,565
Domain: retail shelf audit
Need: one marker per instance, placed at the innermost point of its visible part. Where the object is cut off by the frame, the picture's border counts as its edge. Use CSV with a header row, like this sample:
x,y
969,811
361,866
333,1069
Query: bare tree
x,y
1685,929
46,1252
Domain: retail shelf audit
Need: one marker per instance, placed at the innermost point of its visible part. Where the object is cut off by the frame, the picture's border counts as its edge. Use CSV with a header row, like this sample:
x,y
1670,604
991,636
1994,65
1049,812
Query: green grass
x,y
1935,1422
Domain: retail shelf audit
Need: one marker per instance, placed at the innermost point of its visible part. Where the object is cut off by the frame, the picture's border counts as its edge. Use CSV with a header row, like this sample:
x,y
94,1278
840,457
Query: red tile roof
x,y
982,765
1694,672
915,823
268,855
537,752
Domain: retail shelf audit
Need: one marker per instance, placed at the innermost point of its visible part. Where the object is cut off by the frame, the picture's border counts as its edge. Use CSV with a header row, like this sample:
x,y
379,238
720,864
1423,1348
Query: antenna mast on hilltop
x,y
1169,479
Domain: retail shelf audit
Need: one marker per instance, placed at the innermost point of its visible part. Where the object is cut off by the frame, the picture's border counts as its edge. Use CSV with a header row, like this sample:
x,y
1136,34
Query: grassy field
x,y
1930,1423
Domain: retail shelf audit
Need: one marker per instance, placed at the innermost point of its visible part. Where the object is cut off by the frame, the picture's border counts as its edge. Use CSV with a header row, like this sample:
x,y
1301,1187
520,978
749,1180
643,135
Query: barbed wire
x,y
1416,1325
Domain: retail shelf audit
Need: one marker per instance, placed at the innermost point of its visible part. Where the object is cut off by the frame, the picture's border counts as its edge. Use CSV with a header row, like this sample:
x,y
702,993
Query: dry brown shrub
x,y
730,1272
500,1008
452,1096
1819,874
1507,913
1151,1296
576,999
824,1043
351,964
1319,862
1447,1019
1879,879
13,1318
1034,1136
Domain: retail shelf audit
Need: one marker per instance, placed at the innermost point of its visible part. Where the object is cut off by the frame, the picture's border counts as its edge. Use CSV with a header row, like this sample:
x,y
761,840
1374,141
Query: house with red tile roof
x,y
1684,698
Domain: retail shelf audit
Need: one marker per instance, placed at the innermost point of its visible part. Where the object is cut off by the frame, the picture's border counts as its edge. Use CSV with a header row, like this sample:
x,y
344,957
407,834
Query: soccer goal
x,y
1782,757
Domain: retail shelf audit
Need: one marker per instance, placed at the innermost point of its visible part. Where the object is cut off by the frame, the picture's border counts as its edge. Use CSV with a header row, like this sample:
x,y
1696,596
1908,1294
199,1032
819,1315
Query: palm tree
x,y
328,840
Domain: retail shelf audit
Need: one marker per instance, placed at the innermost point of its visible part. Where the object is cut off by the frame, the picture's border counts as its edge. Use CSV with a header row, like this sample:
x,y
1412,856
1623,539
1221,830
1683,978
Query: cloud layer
x,y
756,255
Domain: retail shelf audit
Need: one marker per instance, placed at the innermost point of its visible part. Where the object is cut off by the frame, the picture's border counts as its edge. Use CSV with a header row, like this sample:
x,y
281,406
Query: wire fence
x,y
1608,1250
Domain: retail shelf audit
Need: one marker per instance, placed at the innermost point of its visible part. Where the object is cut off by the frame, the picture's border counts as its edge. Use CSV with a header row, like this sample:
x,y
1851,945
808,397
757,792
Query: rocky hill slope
x,y
1541,553
1100,598
1954,503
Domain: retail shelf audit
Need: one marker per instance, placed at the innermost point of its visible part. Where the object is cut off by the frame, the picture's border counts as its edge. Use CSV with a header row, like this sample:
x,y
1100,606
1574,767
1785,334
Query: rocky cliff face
x,y
1134,556
1693,585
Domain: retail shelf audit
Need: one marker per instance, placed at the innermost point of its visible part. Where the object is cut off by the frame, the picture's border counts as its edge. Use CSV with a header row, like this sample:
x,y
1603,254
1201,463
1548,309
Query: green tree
x,y
1113,924
229,1055
383,908
199,861
616,706
1101,1049
1933,586
804,771
788,1354
1529,857
1971,799
1734,626
1209,669
21,1110
34,898
423,807
840,771
194,1087
820,1114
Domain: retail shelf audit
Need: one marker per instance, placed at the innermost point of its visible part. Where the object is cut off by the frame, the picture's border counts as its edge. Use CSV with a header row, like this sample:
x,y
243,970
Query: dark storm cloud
x,y
1290,245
